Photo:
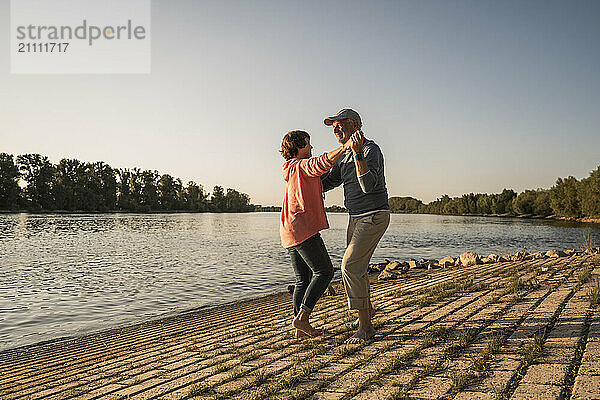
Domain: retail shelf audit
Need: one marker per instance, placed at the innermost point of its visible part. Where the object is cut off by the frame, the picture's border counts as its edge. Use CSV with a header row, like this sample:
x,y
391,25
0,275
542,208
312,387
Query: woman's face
x,y
306,151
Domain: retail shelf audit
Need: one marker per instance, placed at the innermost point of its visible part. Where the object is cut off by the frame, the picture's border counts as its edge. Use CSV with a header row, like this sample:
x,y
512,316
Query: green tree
x,y
218,201
136,186
236,201
90,185
167,193
107,179
37,172
589,194
564,198
149,190
67,185
541,205
9,183
524,202
195,197
125,200
484,204
404,204
502,203
450,208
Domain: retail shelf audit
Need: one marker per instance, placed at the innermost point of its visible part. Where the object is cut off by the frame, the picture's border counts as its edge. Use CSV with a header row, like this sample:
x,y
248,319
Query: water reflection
x,y
68,274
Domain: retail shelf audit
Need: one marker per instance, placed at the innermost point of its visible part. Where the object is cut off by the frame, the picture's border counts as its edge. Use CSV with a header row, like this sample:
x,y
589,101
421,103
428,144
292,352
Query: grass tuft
x,y
584,275
197,390
533,349
461,380
220,367
259,378
347,350
248,356
587,241
594,294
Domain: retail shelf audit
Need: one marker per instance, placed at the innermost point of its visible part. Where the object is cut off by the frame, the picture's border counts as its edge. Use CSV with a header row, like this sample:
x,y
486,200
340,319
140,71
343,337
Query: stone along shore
x,y
524,326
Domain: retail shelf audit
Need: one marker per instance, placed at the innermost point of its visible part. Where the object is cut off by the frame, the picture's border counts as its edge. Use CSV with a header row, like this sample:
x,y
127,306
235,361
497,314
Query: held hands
x,y
356,142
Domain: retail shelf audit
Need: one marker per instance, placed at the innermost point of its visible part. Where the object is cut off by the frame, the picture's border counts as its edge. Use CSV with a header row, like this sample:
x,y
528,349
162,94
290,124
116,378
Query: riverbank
x,y
518,329
333,209
592,220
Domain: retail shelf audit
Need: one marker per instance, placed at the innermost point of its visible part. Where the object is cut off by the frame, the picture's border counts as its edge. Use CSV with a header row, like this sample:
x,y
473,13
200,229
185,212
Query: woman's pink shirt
x,y
303,211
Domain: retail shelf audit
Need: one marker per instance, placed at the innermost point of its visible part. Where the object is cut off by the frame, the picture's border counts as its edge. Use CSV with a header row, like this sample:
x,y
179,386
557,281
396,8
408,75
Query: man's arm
x,y
366,162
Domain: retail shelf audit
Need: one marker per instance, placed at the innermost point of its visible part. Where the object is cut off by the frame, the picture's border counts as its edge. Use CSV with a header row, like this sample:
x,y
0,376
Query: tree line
x,y
569,197
31,182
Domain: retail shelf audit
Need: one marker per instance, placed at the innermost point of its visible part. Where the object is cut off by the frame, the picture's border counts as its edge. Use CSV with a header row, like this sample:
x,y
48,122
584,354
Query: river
x,y
66,275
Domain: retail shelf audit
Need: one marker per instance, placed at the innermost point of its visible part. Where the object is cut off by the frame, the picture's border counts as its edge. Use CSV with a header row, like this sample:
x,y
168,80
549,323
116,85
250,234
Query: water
x,y
65,275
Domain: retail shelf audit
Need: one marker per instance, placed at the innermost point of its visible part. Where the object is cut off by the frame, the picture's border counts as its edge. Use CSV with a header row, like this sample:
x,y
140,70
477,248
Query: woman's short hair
x,y
293,141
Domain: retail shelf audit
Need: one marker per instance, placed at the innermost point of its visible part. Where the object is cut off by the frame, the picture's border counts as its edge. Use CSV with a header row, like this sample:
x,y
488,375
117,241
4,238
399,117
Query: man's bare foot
x,y
307,328
299,334
361,336
372,313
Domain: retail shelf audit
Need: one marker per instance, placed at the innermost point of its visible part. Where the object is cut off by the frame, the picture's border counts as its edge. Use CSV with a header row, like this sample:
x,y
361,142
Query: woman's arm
x,y
317,166
335,155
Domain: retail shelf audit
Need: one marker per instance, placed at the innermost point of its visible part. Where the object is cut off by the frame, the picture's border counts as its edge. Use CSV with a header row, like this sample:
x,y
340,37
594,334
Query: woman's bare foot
x,y
361,336
299,334
306,328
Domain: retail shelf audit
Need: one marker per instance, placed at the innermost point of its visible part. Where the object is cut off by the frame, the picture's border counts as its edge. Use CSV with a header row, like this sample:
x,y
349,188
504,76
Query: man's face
x,y
343,129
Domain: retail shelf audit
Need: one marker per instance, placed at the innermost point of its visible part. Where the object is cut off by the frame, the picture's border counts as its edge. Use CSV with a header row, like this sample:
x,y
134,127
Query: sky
x,y
462,96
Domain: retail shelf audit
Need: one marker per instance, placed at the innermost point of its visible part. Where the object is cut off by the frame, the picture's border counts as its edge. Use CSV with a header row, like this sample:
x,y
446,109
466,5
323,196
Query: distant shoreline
x,y
586,220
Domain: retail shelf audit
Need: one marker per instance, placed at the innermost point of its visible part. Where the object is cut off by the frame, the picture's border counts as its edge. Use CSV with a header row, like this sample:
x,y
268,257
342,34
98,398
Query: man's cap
x,y
345,113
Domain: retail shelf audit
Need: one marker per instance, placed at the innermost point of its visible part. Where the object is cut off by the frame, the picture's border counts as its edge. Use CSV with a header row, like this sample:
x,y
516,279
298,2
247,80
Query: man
x,y
361,172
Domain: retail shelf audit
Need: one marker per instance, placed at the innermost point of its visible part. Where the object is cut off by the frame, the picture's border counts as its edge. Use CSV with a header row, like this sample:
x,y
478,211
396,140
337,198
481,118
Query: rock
x,y
493,258
555,254
387,275
447,262
544,269
512,257
424,263
397,267
378,267
522,255
538,255
469,258
570,253
412,264
393,266
290,289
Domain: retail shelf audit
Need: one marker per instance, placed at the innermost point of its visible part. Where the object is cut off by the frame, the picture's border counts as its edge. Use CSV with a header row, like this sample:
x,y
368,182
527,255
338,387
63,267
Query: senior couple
x,y
357,164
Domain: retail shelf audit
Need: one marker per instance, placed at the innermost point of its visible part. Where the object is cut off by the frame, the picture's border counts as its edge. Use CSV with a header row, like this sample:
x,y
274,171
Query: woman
x,y
302,217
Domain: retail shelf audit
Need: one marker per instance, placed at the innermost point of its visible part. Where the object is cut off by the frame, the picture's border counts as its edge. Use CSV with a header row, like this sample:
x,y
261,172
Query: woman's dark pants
x,y
313,270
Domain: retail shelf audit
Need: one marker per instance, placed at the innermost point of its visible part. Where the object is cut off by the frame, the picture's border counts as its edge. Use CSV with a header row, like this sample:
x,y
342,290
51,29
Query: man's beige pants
x,y
362,237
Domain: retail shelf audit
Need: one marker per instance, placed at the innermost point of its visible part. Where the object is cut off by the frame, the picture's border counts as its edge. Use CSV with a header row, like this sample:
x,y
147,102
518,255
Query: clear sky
x,y
467,96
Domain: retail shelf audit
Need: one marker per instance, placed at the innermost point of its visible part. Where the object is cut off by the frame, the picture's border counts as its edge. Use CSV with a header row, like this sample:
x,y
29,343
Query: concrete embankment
x,y
519,329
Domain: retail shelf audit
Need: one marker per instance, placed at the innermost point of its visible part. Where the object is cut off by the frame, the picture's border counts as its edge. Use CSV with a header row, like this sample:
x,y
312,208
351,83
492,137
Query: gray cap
x,y
345,113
